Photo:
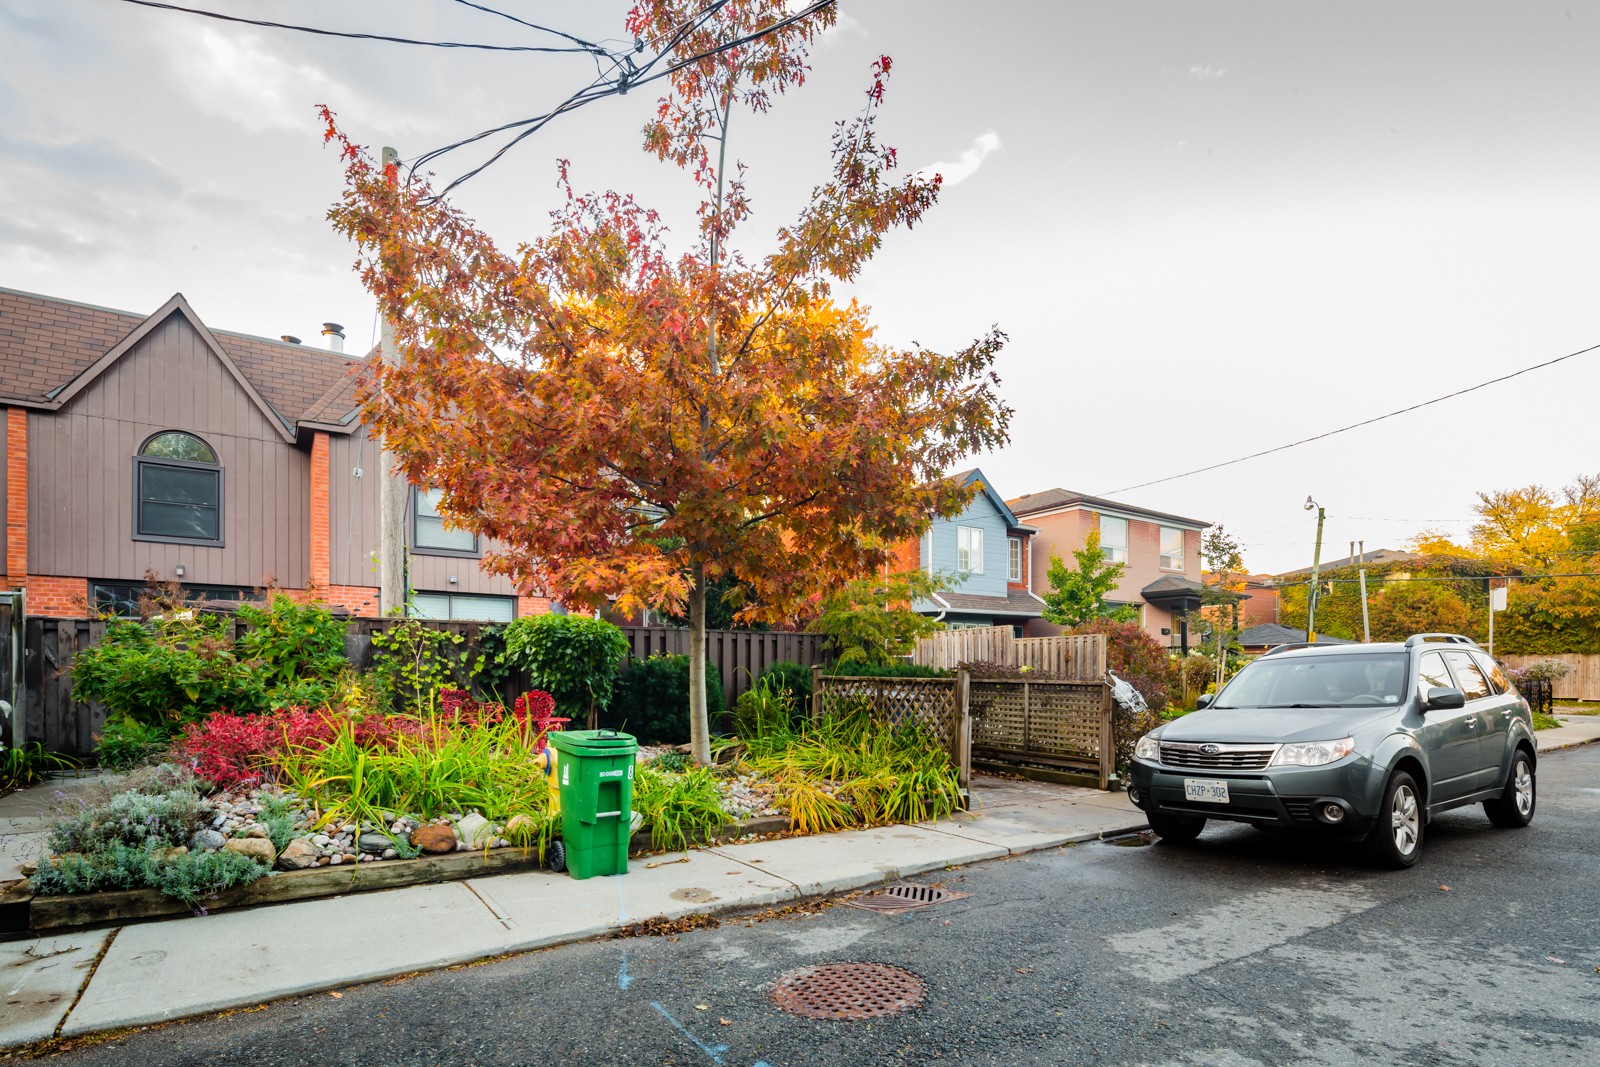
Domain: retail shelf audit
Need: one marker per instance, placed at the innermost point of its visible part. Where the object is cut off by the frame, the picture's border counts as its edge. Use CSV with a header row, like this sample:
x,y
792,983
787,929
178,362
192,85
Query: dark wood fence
x,y
48,713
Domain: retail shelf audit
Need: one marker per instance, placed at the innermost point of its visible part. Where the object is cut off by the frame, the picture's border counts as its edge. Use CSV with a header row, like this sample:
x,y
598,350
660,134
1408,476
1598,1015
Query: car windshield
x,y
1317,682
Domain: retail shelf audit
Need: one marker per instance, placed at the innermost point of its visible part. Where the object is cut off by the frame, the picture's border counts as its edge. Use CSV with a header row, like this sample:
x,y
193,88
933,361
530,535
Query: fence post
x,y
964,729
1108,750
816,692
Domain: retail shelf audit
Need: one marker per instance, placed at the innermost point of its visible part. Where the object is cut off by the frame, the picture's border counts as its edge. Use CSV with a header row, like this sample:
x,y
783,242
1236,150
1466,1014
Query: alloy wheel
x,y
1524,788
1405,820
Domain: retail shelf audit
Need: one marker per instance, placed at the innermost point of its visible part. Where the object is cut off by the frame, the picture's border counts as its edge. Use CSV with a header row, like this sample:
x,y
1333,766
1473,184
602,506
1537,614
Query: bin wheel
x,y
556,856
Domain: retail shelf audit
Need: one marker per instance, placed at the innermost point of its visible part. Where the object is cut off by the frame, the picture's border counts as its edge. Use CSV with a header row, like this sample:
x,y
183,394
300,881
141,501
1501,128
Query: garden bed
x,y
22,910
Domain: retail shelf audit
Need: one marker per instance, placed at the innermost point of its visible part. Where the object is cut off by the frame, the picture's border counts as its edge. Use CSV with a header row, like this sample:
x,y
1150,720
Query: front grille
x,y
1299,808
1225,758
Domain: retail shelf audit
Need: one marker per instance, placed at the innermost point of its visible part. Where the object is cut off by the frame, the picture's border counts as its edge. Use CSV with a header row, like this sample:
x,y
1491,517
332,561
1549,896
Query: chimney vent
x,y
334,333
289,339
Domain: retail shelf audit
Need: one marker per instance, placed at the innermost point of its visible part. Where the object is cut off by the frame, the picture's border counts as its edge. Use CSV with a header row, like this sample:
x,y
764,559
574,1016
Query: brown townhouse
x,y
154,445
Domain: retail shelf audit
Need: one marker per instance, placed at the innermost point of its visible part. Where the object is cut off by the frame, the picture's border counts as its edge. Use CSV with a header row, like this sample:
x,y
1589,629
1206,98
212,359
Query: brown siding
x,y
80,467
354,529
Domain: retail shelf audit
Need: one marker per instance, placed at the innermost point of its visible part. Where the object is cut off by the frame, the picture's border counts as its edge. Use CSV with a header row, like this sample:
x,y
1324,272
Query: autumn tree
x,y
625,420
1078,594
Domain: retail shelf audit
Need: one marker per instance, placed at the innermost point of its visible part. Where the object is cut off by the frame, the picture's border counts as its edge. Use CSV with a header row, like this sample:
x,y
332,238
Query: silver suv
x,y
1354,741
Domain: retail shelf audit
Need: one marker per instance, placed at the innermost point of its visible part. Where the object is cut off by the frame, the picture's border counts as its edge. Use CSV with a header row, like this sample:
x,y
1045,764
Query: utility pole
x,y
391,488
1366,624
1316,571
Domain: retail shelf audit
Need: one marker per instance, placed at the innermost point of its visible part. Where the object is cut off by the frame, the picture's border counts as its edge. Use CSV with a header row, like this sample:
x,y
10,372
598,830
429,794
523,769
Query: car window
x,y
1497,677
1472,682
1431,674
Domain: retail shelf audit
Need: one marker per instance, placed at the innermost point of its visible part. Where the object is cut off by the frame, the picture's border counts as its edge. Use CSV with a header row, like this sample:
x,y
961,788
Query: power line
x,y
1380,579
581,47
1358,425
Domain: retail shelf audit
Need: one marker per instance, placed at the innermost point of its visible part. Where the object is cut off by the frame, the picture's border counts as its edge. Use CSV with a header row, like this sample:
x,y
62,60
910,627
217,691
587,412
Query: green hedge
x,y
651,699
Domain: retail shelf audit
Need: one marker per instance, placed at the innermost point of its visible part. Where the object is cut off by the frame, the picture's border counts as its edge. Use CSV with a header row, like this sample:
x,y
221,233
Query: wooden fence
x,y
1582,684
1054,724
940,704
48,712
1078,657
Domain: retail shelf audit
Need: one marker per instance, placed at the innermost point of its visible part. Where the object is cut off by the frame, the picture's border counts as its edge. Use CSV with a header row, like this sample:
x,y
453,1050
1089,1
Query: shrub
x,y
652,699
794,677
131,818
190,877
297,650
413,661
171,671
572,657
125,743
27,764
679,808
896,669
766,709
1126,729
1197,673
1129,650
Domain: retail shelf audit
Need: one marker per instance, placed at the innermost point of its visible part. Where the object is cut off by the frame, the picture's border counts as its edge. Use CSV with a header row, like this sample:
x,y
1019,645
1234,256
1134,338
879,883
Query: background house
x,y
154,445
1161,552
987,551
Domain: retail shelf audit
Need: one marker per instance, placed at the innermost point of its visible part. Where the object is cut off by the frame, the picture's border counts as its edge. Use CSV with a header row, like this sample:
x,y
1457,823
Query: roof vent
x,y
289,339
333,333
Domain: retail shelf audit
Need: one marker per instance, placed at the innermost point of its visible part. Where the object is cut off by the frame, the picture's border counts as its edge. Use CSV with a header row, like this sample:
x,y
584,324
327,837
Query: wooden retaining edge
x,y
22,911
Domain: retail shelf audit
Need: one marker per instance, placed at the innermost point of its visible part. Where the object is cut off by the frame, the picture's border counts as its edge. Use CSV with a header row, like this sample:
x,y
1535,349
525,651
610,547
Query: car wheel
x,y
1396,841
1514,807
1177,829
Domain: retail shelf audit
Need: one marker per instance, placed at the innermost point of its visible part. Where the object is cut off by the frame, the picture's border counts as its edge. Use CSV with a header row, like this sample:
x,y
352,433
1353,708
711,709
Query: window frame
x,y
1115,553
970,535
142,461
1013,559
1454,656
420,549
1183,547
451,598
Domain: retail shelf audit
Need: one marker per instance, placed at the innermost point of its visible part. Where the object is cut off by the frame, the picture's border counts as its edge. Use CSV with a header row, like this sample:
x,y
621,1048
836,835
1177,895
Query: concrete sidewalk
x,y
1574,730
160,971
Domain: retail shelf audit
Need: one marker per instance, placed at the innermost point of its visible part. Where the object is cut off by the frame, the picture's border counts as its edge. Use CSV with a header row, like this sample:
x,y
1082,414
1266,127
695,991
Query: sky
x,y
1208,228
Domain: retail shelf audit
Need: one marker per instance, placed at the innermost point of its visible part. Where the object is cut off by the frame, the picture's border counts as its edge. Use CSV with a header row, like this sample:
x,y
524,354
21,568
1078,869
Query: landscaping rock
x,y
170,853
374,842
298,854
336,859
520,824
257,848
434,838
475,830
321,840
207,839
254,831
390,854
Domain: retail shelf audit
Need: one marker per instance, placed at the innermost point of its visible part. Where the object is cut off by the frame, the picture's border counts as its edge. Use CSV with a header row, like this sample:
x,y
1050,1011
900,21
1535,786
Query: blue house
x,y
987,550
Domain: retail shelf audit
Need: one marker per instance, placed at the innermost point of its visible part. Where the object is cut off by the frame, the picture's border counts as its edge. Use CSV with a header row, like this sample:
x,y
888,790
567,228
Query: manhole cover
x,y
891,900
848,991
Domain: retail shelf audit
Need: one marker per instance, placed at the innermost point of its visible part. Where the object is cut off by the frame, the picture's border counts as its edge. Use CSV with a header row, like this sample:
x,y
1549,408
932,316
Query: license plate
x,y
1206,790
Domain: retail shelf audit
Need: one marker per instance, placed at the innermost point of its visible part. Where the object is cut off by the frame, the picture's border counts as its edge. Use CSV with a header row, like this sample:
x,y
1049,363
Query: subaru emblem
x,y
1211,750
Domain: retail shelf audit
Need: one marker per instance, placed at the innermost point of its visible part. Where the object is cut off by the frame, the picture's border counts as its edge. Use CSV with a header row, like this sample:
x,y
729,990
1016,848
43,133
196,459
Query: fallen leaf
x,y
725,1022
1444,889
1024,970
651,866
702,1007
336,996
1555,959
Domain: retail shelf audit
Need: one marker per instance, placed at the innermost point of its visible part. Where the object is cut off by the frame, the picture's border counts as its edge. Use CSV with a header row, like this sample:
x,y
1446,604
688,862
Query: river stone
x,y
298,854
204,839
257,848
374,842
475,830
255,831
434,838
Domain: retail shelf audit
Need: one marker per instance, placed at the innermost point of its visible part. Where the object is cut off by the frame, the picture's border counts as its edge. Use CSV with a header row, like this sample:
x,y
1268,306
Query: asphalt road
x,y
1245,948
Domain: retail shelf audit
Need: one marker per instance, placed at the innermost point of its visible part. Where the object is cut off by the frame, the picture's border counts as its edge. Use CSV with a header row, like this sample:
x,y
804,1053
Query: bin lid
x,y
593,742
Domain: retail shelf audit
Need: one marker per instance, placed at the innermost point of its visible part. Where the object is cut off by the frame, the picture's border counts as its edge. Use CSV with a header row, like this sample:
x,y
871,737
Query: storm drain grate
x,y
848,991
891,900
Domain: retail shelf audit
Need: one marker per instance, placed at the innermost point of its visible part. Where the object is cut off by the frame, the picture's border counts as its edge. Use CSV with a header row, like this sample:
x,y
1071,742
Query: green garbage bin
x,y
595,775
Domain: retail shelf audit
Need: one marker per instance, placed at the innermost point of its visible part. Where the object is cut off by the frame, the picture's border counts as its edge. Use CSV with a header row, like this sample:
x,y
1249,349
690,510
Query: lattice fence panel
x,y
933,702
999,716
1064,720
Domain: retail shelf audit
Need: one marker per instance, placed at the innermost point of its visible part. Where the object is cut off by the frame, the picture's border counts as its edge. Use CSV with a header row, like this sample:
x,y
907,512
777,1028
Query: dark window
x,y
1473,683
1431,674
122,598
428,532
177,487
463,607
1497,677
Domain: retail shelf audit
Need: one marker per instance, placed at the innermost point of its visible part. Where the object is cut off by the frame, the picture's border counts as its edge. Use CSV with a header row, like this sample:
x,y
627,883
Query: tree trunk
x,y
699,723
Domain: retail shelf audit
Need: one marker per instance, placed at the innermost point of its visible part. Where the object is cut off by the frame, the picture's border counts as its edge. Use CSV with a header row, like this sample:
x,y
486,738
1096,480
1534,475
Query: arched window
x,y
177,487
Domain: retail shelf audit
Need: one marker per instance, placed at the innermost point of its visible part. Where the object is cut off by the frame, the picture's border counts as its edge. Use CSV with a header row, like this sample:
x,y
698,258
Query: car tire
x,y
1177,829
1514,808
1396,841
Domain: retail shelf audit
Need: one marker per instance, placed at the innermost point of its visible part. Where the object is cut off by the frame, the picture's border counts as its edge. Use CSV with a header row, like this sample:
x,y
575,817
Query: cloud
x,y
235,77
1208,72
984,146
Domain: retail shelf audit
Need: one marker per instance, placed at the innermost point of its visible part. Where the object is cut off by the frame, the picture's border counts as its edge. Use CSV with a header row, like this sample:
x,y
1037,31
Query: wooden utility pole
x,y
391,488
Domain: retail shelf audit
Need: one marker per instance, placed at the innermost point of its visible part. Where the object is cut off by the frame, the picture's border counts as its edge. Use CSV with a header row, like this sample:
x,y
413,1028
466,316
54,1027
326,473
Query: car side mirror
x,y
1443,699
1203,701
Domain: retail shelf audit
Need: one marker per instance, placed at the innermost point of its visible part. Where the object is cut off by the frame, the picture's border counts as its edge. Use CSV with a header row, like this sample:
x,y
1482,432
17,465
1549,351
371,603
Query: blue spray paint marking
x,y
715,1052
624,979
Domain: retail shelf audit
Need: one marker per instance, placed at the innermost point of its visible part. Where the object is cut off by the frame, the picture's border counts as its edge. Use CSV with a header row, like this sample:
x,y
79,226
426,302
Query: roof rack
x,y
1448,639
1289,647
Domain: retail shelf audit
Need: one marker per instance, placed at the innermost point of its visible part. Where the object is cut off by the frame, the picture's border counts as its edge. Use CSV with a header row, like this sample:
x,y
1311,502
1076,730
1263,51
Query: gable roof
x,y
967,477
1032,503
1271,633
51,349
1376,556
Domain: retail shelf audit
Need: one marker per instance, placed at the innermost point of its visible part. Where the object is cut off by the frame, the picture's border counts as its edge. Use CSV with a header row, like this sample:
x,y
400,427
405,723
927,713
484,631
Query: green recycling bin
x,y
595,774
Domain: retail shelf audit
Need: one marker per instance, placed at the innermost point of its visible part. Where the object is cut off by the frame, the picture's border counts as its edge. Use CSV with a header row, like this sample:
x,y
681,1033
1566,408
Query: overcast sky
x,y
1209,228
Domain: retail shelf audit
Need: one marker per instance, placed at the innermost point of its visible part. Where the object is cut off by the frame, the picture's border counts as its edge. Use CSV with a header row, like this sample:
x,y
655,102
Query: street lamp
x,y
1316,566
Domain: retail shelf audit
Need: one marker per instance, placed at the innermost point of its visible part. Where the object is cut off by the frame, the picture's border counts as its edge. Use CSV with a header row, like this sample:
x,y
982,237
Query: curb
x,y
66,1029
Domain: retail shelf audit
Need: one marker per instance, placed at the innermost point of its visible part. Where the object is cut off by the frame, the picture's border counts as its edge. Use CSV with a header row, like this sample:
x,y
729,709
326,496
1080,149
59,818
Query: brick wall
x,y
359,600
533,605
66,598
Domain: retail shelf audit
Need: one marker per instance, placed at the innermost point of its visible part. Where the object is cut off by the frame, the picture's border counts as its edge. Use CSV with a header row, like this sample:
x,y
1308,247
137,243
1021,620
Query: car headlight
x,y
1147,748
1313,753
